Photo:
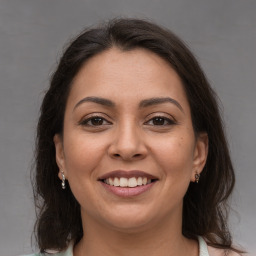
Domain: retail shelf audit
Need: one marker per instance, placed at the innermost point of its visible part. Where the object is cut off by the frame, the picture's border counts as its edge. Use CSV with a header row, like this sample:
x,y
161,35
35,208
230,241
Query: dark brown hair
x,y
205,209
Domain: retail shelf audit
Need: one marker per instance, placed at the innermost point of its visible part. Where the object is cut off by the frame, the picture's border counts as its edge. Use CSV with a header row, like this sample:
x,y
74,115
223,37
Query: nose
x,y
128,143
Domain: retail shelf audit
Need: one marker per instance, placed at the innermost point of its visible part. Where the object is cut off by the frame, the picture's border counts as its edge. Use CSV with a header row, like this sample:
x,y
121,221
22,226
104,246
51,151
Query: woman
x,y
131,155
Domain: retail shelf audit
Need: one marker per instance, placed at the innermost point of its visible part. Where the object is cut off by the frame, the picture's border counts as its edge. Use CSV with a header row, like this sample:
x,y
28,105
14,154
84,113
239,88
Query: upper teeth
x,y
125,182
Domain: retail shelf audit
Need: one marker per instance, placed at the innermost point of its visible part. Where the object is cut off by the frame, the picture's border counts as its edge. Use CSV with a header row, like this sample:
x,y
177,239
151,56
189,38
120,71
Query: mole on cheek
x,y
181,140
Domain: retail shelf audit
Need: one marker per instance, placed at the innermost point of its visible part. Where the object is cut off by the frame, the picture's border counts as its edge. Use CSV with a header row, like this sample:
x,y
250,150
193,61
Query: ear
x,y
60,156
200,154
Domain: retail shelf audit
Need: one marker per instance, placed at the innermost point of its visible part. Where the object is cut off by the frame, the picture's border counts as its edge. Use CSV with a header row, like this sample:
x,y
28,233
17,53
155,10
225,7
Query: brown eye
x,y
95,121
160,121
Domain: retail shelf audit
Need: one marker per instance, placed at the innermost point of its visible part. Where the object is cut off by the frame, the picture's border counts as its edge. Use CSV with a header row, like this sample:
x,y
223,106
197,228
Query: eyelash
x,y
86,121
167,121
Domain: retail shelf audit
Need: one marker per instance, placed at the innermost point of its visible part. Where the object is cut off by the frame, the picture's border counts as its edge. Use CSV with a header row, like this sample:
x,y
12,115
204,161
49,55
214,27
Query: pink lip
x,y
125,191
128,192
127,174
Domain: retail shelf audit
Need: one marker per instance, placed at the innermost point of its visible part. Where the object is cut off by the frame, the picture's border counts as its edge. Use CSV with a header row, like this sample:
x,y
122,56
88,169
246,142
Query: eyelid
x,y
162,115
169,121
166,116
89,117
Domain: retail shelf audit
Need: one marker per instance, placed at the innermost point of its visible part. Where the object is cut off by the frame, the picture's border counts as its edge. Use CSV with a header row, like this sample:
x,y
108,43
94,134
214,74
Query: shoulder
x,y
67,252
34,254
64,253
206,250
221,252
42,254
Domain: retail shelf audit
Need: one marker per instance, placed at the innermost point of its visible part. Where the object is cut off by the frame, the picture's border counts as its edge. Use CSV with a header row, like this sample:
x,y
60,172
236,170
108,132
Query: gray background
x,y
221,33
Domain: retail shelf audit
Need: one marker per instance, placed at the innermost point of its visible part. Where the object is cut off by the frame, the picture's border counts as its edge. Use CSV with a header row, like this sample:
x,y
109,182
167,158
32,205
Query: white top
x,y
203,250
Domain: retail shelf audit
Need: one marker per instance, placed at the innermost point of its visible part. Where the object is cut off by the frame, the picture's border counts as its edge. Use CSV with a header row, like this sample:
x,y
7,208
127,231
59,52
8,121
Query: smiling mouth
x,y
127,179
128,182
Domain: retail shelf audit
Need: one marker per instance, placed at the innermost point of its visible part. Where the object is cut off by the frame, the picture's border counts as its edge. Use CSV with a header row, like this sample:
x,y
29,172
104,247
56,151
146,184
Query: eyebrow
x,y
98,100
143,104
156,101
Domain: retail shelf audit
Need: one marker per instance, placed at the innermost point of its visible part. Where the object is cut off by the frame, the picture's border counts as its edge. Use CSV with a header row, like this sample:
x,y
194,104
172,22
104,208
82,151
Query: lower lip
x,y
128,192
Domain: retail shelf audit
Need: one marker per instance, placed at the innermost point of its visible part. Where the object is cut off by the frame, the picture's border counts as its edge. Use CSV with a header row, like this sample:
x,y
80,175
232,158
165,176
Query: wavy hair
x,y
205,207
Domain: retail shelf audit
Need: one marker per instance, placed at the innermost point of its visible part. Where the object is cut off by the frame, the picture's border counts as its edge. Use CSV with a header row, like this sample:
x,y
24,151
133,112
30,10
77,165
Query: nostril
x,y
133,156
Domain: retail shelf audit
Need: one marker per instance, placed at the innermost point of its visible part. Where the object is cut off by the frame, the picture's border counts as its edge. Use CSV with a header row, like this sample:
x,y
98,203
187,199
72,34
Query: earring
x,y
63,185
197,177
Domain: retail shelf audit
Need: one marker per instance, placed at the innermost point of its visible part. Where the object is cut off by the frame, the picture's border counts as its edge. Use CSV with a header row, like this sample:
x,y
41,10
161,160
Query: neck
x,y
164,239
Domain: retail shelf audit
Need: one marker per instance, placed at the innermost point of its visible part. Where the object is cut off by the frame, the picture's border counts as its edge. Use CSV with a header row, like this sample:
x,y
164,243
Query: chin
x,y
130,227
131,221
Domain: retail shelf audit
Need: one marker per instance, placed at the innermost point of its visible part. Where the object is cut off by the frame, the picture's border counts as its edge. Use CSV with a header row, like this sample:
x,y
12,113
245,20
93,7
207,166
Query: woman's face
x,y
128,148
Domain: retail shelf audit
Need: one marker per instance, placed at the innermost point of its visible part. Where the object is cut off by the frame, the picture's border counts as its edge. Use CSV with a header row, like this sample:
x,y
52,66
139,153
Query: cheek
x,y
82,158
175,156
82,154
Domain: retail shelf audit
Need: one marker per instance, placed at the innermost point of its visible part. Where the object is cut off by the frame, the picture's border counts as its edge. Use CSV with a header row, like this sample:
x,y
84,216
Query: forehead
x,y
123,75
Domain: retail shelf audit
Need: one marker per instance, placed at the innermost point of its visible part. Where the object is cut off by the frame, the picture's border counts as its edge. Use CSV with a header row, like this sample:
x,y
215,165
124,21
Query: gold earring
x,y
63,185
197,177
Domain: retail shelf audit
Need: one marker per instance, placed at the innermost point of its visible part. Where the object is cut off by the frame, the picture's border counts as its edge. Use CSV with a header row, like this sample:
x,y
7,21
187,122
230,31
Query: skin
x,y
130,137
